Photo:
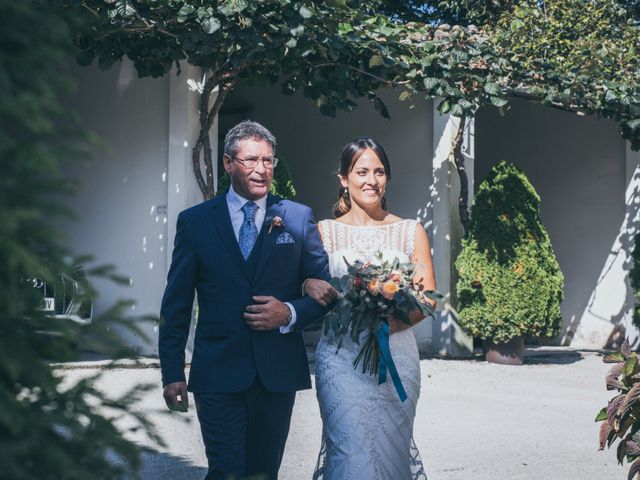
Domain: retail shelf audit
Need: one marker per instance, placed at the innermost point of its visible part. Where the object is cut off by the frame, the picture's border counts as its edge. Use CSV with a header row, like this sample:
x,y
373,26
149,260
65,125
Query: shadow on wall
x,y
441,219
621,254
577,165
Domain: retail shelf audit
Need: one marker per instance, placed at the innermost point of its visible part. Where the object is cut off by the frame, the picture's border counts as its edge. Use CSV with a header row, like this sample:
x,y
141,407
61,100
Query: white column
x,y
607,319
184,126
447,336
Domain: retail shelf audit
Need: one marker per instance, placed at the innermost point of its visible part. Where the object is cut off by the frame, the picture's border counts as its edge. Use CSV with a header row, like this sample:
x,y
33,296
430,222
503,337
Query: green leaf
x,y
633,124
404,96
376,61
492,88
381,107
430,83
305,12
444,107
517,25
345,28
498,102
630,365
231,7
211,25
85,58
602,415
185,11
457,111
614,358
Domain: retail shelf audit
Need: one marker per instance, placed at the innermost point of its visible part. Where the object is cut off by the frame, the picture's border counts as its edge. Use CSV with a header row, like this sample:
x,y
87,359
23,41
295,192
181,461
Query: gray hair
x,y
247,129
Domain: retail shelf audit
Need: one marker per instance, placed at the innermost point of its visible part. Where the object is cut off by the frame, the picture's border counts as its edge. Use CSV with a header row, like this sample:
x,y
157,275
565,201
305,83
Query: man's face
x,y
250,183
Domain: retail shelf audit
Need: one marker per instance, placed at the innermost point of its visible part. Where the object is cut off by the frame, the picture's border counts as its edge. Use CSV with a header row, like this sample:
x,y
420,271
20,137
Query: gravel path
x,y
475,421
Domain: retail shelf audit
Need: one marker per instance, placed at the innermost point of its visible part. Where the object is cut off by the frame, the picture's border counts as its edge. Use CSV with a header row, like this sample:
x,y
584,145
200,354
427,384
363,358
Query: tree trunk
x,y
202,147
463,206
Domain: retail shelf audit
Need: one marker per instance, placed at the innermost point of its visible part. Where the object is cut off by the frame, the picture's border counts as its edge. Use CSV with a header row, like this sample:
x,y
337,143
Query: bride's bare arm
x,y
423,274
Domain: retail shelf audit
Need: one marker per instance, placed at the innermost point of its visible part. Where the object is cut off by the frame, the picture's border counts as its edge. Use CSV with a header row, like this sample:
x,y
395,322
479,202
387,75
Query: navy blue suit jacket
x,y
227,354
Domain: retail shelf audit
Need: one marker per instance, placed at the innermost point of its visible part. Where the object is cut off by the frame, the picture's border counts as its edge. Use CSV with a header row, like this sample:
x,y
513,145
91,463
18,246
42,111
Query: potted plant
x,y
509,281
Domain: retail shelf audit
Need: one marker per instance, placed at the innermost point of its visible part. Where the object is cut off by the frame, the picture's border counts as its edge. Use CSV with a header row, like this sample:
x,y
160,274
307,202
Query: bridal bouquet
x,y
370,294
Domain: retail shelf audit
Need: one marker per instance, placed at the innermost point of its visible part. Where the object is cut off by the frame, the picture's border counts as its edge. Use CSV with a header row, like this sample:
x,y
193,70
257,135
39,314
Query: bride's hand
x,y
321,291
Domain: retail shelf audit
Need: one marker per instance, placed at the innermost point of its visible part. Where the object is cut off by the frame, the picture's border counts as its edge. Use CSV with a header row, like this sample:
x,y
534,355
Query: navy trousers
x,y
244,433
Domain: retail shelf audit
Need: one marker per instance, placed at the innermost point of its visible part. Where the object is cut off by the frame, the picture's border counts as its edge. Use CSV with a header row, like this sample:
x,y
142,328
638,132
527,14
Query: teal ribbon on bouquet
x,y
386,362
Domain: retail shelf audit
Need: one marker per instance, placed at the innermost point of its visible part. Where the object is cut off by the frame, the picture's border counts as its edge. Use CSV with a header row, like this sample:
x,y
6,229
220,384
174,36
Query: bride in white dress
x,y
367,429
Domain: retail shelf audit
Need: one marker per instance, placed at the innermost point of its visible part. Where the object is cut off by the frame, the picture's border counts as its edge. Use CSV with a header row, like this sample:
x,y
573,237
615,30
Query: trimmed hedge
x,y
510,283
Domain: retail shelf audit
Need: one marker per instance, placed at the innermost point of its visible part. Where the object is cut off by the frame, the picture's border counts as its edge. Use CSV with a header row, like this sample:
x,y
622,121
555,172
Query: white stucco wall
x,y
577,165
121,189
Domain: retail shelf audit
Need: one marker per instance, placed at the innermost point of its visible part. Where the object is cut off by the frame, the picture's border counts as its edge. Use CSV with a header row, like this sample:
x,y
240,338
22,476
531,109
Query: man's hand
x,y
321,291
171,393
268,313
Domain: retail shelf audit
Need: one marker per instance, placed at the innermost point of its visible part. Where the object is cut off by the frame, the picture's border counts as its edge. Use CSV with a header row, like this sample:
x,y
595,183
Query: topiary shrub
x,y
282,185
510,283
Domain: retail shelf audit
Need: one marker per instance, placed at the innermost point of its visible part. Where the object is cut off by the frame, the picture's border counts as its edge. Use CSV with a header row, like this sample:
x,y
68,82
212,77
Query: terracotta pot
x,y
510,353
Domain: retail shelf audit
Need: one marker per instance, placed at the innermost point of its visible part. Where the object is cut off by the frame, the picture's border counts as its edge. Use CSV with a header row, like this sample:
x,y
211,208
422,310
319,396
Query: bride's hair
x,y
350,154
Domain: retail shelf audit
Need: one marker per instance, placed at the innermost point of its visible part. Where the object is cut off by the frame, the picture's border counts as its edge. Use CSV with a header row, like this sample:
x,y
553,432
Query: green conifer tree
x,y
510,283
48,429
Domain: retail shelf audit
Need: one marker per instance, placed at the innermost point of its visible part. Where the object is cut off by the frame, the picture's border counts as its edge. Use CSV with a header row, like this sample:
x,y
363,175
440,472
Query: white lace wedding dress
x,y
367,430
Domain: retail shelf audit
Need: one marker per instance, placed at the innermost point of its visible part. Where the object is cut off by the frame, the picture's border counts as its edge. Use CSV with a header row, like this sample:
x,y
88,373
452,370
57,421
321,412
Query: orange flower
x,y
389,289
374,286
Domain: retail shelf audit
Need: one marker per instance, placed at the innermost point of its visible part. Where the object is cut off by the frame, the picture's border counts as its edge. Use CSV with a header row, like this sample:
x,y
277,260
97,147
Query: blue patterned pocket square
x,y
284,238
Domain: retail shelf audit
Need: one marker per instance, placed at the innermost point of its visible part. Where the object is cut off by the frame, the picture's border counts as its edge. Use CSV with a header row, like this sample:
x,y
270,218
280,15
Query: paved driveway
x,y
474,421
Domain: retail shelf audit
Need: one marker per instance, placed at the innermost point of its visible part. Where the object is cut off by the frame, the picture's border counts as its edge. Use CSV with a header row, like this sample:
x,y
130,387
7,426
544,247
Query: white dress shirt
x,y
235,203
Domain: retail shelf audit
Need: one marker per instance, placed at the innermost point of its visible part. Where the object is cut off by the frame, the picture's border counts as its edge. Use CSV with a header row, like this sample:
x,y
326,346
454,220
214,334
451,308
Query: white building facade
x,y
142,177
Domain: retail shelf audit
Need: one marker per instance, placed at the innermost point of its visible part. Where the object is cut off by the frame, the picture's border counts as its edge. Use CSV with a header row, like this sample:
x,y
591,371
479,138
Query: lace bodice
x,y
363,242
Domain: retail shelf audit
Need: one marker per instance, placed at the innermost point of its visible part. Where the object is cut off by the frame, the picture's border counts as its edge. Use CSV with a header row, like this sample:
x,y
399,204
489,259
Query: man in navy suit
x,y
246,254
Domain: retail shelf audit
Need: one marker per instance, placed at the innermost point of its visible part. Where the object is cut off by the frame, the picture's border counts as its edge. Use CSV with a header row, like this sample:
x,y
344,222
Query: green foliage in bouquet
x,y
369,293
282,185
621,417
510,283
49,429
634,279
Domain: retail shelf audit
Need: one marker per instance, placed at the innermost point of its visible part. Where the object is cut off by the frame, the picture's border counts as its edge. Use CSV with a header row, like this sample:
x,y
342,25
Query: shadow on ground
x,y
533,355
162,465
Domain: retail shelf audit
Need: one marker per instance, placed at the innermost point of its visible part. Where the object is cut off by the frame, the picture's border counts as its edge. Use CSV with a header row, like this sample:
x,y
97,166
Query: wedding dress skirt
x,y
367,430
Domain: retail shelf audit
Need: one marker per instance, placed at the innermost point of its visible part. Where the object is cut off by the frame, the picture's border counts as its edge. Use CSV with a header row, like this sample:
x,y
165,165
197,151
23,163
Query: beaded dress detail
x,y
367,430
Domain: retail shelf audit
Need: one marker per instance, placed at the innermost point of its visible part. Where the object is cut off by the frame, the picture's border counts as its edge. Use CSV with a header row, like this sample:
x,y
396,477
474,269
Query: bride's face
x,y
366,180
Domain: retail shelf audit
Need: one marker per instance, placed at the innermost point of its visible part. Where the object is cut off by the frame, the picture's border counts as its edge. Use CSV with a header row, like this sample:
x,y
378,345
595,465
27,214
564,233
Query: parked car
x,y
66,298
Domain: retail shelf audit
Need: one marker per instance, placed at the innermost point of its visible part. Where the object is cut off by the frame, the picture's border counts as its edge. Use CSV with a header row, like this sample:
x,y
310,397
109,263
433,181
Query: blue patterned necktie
x,y
248,231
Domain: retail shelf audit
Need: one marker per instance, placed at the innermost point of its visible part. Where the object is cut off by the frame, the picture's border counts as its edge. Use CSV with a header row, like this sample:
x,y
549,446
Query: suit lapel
x,y
222,223
268,240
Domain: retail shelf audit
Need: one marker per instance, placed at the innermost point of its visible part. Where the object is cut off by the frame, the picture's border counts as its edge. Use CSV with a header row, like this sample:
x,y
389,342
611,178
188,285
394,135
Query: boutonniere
x,y
274,222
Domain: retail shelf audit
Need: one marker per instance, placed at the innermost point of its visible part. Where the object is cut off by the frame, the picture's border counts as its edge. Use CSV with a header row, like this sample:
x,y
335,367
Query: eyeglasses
x,y
252,162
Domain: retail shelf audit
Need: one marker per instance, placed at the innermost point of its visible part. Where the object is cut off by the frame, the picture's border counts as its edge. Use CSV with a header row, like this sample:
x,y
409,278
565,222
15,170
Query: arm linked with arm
x,y
314,264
